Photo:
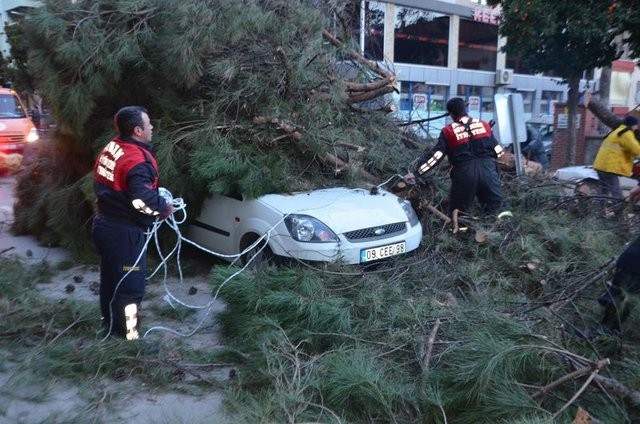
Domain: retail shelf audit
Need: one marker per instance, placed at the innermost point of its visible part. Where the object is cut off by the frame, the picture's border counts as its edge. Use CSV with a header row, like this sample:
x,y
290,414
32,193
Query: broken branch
x,y
575,374
430,342
368,95
374,85
436,212
374,66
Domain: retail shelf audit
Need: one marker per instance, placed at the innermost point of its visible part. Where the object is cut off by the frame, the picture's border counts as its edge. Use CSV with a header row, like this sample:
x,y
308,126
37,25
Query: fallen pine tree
x,y
483,326
498,328
246,97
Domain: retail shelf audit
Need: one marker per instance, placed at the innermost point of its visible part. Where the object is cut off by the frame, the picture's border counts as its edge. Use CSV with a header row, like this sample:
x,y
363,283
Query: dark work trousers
x,y
609,185
119,246
626,277
477,177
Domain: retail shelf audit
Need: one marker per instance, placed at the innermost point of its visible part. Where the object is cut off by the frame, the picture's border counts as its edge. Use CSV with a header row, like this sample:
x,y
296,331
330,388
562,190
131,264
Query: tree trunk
x,y
574,94
603,95
604,114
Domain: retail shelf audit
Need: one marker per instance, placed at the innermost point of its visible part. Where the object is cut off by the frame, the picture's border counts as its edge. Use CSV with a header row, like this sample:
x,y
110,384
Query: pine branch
x,y
374,85
573,375
579,392
373,66
430,342
369,95
629,395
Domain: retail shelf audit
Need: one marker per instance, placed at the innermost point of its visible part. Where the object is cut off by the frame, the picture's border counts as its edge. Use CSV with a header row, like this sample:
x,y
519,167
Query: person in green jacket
x,y
615,157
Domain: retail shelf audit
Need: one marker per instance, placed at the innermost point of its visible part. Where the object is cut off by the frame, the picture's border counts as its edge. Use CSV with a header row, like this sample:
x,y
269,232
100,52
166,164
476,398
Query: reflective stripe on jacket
x,y
617,152
126,183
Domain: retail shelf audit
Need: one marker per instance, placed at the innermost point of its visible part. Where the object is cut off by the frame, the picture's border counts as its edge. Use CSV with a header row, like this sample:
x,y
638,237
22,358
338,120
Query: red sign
x,y
486,16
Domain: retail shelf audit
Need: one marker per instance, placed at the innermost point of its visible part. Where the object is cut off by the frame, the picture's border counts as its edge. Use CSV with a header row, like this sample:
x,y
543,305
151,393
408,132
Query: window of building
x,y
423,104
479,100
548,101
421,37
423,97
478,45
515,62
372,20
374,30
527,100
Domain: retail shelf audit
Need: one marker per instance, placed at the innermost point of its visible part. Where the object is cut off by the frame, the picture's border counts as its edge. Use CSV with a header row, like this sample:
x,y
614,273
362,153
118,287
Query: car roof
x,y
546,120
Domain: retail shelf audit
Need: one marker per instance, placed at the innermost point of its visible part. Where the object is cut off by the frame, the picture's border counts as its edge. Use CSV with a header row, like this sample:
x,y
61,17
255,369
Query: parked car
x,y
586,178
351,226
545,127
16,127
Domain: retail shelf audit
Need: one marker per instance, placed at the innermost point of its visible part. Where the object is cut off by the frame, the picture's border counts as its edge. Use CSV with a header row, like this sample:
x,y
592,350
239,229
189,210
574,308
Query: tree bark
x,y
602,112
374,85
603,94
574,94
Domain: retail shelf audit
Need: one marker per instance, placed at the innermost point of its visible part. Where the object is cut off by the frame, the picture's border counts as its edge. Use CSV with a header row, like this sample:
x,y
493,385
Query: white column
x,y
389,32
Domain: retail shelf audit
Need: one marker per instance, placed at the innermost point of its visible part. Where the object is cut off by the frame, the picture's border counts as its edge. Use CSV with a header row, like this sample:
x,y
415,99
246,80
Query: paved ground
x,y
131,401
25,247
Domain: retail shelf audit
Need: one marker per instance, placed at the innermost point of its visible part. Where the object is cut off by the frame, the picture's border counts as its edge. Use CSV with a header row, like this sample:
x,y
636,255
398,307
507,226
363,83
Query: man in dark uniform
x,y
471,149
126,186
626,279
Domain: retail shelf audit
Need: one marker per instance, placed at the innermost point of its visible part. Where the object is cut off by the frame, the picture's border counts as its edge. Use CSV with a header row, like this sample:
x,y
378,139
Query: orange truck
x,y
17,130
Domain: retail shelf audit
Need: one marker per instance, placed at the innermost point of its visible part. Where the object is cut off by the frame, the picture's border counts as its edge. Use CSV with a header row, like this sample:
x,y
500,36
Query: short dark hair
x,y
127,118
456,107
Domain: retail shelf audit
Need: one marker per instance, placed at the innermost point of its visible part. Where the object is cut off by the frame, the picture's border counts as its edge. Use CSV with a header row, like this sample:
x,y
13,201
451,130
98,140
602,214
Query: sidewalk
x,y
25,247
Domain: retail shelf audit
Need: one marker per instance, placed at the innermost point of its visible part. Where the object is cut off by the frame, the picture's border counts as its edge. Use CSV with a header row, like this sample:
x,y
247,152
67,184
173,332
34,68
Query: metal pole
x,y
362,24
514,137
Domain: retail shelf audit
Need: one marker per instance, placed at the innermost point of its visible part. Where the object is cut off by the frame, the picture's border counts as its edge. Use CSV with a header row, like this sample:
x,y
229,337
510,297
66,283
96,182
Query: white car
x,y
350,226
586,179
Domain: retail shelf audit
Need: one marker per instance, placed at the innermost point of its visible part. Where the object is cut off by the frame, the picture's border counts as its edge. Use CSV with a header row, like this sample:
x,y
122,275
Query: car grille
x,y
11,138
368,233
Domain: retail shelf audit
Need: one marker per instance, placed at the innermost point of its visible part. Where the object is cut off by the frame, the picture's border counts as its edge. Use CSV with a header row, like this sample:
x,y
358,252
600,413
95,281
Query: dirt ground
x,y
129,400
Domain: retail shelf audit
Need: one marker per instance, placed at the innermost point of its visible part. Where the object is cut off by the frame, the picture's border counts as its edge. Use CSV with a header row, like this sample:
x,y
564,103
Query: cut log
x,y
369,95
374,85
603,113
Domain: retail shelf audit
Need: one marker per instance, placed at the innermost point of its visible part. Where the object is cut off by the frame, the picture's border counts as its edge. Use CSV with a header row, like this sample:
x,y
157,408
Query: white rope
x,y
179,216
180,207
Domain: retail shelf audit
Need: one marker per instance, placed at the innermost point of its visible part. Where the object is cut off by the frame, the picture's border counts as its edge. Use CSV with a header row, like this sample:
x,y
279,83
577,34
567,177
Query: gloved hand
x,y
409,178
169,212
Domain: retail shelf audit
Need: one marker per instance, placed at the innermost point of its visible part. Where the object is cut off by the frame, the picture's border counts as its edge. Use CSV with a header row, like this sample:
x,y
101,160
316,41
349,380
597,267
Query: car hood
x,y
342,209
574,173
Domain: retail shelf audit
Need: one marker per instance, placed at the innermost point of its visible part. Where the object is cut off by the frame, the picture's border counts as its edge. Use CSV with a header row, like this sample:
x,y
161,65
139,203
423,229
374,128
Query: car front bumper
x,y
344,251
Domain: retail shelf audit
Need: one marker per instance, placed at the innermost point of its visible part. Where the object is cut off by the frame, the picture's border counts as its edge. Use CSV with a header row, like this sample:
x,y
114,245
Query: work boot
x,y
613,317
611,295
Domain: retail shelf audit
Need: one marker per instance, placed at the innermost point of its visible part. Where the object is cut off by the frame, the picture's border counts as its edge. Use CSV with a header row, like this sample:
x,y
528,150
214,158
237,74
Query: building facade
x,y
10,12
446,48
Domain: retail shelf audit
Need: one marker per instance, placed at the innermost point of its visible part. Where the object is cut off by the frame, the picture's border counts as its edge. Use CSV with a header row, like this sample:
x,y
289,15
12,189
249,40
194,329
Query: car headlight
x,y
308,229
408,209
32,136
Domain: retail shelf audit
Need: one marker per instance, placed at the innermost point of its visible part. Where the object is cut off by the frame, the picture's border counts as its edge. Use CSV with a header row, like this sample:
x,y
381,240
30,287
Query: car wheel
x,y
587,187
259,257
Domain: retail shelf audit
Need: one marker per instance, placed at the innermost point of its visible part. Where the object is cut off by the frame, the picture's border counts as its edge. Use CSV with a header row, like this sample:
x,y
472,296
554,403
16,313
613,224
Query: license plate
x,y
382,252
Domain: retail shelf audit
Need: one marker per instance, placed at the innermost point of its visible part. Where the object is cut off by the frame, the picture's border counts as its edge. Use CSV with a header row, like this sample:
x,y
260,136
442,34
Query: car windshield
x,y
546,130
10,107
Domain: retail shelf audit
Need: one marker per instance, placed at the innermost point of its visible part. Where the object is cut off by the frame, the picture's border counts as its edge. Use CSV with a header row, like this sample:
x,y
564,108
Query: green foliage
x,y
546,32
365,355
623,12
249,99
16,279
